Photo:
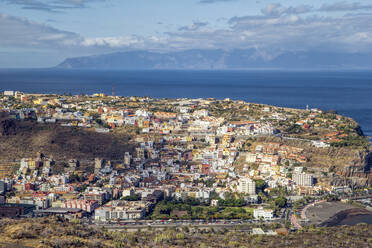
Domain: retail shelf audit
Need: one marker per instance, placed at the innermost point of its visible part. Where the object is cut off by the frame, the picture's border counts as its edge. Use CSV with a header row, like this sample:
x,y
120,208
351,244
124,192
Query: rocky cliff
x,y
357,172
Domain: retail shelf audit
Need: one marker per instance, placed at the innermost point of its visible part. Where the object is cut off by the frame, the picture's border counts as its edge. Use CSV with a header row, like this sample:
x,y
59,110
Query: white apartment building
x,y
247,186
303,179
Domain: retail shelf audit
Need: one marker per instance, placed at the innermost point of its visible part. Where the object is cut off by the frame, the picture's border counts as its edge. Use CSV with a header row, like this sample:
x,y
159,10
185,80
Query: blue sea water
x,y
348,92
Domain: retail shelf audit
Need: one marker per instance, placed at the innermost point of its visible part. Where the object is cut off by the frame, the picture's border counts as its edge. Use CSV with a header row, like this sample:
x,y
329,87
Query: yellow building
x,y
226,139
38,101
226,152
99,95
31,163
191,194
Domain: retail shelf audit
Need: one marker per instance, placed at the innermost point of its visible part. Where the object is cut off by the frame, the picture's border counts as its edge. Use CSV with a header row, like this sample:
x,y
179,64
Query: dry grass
x,y
53,232
61,142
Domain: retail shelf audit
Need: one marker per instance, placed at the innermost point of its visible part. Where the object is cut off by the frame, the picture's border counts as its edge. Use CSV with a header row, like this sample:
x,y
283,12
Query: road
x,y
242,224
162,226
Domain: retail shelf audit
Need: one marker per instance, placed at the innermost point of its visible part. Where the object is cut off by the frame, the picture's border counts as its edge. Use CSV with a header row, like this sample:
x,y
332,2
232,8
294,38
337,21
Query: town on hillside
x,y
183,160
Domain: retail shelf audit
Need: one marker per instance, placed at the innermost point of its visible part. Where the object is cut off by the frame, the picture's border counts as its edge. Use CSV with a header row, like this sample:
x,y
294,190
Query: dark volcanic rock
x,y
7,127
357,173
340,216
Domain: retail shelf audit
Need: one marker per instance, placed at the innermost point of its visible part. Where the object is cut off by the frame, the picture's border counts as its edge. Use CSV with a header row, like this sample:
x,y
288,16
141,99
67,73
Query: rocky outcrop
x,y
357,173
352,182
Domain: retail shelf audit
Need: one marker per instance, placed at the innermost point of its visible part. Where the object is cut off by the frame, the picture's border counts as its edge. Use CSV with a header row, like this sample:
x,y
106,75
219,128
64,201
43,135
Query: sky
x,y
42,33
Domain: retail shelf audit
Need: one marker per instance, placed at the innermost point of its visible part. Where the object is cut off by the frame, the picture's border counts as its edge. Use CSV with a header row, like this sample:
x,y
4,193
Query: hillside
x,y
58,233
58,142
218,59
332,165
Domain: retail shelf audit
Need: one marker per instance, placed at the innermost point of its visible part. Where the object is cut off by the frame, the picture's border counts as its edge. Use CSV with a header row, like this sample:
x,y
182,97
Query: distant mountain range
x,y
219,59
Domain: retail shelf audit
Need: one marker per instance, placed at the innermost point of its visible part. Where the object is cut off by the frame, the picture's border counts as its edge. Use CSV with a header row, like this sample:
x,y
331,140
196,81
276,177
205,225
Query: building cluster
x,y
181,150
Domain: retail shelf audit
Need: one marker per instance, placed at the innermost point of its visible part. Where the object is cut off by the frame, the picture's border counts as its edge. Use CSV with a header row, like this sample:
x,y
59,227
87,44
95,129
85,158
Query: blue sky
x,y
41,33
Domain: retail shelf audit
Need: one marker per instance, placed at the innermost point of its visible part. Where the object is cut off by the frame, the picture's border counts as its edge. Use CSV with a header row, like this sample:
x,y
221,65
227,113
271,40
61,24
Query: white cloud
x,y
276,9
345,6
194,26
281,28
113,42
18,32
293,32
277,29
51,5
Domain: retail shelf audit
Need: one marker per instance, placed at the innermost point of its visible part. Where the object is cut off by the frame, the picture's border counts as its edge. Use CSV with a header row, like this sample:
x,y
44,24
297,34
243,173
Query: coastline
x,y
251,86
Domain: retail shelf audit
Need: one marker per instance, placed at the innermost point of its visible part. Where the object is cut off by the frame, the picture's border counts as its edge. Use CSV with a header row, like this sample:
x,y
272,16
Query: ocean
x,y
347,92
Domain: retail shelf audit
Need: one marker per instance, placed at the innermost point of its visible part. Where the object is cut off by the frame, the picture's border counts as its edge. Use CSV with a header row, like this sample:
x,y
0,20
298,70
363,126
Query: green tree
x,y
135,197
280,202
260,185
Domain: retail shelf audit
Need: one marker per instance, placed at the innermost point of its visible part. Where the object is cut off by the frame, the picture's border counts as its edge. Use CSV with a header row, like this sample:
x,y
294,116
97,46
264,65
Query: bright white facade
x,y
247,186
8,93
303,179
121,210
260,213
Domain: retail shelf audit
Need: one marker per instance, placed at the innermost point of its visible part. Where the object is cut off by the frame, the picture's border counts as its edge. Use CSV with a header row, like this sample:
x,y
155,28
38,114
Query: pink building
x,y
86,205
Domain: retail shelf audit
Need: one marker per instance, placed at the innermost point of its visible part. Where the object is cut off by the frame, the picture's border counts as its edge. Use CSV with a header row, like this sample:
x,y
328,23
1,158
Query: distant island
x,y
219,60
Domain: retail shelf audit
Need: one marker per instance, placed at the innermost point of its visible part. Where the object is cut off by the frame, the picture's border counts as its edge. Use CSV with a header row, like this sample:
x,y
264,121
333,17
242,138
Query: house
x,y
260,213
9,93
165,115
86,205
121,210
319,144
127,192
14,210
214,203
250,157
96,194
